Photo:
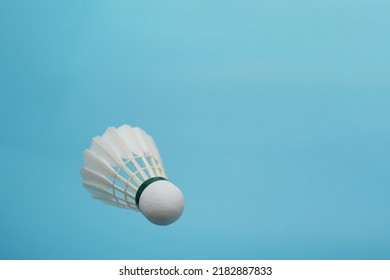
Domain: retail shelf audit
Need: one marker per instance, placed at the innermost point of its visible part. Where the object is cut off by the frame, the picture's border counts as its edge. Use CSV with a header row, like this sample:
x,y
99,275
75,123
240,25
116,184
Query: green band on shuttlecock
x,y
144,185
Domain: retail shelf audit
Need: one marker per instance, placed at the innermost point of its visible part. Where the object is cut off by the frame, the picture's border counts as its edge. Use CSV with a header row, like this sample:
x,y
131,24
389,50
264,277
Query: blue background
x,y
273,117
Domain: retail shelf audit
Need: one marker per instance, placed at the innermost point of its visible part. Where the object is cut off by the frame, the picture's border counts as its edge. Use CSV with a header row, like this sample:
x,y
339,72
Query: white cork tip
x,y
162,203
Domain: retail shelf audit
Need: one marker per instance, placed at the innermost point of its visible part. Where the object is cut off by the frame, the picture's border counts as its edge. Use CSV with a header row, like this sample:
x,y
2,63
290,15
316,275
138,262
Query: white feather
x,y
98,164
102,182
106,150
118,162
126,132
116,141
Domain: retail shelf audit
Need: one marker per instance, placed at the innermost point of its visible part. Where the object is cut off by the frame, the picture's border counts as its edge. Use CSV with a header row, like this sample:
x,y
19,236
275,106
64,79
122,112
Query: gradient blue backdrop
x,y
272,116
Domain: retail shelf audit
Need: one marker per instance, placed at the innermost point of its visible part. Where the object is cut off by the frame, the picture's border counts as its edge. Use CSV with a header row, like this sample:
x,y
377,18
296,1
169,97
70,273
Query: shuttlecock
x,y
123,168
